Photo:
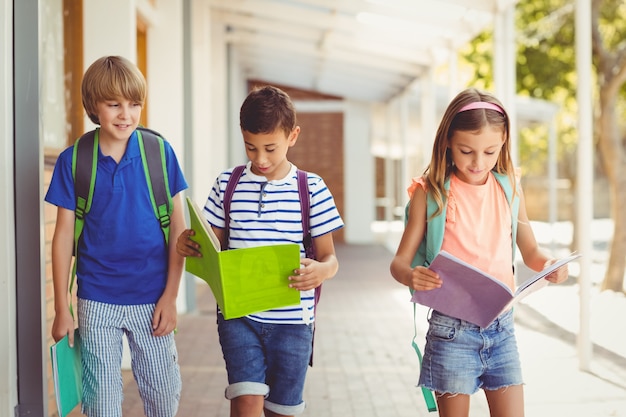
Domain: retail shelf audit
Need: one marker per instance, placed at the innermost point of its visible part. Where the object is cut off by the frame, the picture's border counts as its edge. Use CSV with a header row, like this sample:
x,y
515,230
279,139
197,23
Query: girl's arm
x,y
533,256
418,278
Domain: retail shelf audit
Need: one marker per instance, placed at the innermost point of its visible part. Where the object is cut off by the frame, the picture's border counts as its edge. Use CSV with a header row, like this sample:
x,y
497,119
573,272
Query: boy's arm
x,y
314,272
164,318
62,252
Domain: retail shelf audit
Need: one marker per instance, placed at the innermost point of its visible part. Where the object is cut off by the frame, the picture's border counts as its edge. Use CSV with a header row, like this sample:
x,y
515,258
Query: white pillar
x,y
428,116
359,173
585,174
99,36
8,349
505,50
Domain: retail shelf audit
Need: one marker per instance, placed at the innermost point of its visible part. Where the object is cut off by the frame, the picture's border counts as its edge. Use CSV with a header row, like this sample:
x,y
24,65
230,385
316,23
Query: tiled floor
x,y
364,363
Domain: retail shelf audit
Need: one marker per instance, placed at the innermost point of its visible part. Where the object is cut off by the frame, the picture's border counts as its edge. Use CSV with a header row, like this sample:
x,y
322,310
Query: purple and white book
x,y
472,295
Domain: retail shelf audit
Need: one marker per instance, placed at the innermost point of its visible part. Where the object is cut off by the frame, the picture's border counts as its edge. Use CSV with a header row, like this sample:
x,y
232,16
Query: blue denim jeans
x,y
461,357
266,359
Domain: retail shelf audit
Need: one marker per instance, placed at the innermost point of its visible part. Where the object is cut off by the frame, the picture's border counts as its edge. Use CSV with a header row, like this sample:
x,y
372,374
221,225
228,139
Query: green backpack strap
x,y
154,166
85,166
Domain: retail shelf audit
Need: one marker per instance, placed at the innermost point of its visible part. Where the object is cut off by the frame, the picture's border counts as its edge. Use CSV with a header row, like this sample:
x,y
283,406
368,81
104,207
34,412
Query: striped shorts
x,y
154,360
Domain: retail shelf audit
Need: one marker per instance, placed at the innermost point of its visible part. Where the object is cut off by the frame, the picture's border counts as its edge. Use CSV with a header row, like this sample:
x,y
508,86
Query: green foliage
x,y
546,70
613,23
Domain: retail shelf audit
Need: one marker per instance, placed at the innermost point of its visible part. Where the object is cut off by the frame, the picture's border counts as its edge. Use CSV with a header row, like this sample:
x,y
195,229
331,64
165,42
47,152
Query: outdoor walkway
x,y
365,366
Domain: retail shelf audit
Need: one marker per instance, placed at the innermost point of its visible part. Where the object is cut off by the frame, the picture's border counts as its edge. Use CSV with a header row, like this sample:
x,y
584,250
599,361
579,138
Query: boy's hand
x,y
164,317
187,247
62,325
308,276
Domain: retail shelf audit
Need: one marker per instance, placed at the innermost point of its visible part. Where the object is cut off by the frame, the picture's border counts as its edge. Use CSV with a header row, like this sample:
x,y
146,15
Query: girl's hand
x,y
185,246
558,276
423,279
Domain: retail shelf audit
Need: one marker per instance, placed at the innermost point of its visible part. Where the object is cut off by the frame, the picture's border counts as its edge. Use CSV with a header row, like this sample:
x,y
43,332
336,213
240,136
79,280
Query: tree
x,y
546,69
609,55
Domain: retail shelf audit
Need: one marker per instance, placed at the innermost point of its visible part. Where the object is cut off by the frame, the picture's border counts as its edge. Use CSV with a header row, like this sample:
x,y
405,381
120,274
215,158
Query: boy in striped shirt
x,y
267,353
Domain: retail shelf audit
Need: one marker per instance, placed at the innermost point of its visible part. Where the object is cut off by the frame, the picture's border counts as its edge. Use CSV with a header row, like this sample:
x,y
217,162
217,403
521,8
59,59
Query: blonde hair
x,y
441,165
111,78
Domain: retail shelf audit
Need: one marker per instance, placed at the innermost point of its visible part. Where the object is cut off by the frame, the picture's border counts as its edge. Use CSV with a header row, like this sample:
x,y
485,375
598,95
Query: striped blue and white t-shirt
x,y
268,213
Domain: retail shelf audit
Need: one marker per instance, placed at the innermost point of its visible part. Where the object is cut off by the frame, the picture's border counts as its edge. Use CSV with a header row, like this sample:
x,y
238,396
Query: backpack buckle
x,y
81,208
165,220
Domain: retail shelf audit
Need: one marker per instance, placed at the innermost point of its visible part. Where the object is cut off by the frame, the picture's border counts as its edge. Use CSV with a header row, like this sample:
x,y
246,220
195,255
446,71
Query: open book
x,y
67,374
246,280
472,295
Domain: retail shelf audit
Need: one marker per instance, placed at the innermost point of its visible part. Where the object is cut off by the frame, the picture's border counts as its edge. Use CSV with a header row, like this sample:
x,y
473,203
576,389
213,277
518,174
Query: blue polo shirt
x,y
122,255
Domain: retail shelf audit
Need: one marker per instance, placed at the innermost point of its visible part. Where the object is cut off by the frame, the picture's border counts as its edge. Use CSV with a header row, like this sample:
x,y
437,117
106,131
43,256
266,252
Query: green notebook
x,y
67,374
247,280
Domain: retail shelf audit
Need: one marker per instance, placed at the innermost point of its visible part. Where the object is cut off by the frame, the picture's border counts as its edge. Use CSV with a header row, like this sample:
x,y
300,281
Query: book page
x,y
530,285
198,219
472,295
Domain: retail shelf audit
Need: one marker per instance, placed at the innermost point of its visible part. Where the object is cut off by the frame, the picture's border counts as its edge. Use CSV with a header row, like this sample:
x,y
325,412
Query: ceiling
x,y
366,50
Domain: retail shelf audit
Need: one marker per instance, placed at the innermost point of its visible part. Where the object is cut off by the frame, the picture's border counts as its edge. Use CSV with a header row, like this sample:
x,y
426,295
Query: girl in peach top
x,y
460,357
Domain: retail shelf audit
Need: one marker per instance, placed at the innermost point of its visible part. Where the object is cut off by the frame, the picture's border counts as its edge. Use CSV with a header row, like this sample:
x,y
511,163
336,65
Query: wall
x,y
8,368
164,74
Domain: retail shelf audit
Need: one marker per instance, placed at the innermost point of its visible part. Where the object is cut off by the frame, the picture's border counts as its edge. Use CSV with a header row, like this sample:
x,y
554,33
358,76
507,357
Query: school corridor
x,y
365,365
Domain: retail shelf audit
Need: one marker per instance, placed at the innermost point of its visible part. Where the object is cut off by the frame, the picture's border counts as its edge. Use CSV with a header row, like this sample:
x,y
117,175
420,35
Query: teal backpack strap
x,y
433,241
84,166
429,398
428,249
154,166
505,183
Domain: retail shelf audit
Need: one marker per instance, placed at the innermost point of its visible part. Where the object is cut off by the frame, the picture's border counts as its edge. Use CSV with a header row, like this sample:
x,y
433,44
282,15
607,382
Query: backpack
x,y
305,208
84,168
431,244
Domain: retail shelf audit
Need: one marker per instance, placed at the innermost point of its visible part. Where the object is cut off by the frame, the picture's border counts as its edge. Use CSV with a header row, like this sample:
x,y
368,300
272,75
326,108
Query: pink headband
x,y
482,105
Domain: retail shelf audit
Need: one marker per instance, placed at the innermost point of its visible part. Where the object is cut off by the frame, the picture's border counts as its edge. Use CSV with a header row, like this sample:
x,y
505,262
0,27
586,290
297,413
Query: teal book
x,y
67,374
247,280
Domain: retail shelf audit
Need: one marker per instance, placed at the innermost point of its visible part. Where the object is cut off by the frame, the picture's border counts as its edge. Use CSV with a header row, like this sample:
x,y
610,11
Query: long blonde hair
x,y
441,165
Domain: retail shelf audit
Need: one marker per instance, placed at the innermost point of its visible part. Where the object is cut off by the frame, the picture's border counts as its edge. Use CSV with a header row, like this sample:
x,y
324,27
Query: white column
x,y
585,174
208,144
165,85
505,50
8,349
102,37
359,173
428,116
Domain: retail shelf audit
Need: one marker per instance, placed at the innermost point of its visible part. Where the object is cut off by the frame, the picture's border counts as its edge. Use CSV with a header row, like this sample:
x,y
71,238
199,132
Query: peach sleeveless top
x,y
478,226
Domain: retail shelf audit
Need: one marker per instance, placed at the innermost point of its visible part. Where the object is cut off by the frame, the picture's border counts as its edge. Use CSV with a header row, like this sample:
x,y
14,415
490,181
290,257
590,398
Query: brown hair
x,y
441,165
111,78
266,109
